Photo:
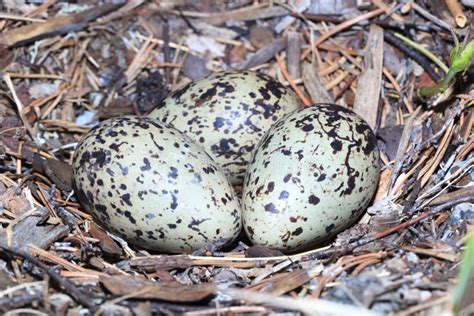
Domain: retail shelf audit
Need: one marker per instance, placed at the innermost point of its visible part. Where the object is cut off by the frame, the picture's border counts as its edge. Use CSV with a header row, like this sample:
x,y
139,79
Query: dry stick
x,y
456,11
345,264
426,196
121,12
341,76
468,147
19,106
347,84
248,13
347,24
364,265
397,87
34,12
387,10
443,146
416,151
231,310
7,16
166,47
343,250
35,76
42,7
57,25
70,287
327,251
304,305
297,90
429,304
430,17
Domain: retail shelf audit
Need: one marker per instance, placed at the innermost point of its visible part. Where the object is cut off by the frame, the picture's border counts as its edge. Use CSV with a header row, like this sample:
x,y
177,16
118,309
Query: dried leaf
x,y
170,291
105,241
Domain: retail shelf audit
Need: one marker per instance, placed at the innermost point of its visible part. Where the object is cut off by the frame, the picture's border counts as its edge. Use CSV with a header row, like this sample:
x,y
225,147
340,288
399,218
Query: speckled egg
x,y
313,175
228,113
153,186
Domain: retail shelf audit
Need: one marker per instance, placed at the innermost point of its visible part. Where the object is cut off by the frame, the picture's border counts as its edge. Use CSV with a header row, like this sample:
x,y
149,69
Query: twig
x,y
346,85
303,98
230,310
349,248
35,76
430,16
397,87
431,166
19,106
58,25
347,24
68,285
7,16
387,10
456,10
304,305
162,43
437,188
414,153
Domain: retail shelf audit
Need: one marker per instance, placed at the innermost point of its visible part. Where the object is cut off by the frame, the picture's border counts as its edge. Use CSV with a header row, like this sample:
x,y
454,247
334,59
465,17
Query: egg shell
x,y
228,113
313,175
153,186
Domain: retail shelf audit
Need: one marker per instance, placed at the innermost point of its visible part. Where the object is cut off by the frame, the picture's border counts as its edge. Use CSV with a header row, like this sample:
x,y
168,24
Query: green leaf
x,y
465,276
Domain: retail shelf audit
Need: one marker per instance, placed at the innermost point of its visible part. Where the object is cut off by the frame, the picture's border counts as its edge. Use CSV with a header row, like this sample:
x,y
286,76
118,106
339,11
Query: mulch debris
x,y
67,66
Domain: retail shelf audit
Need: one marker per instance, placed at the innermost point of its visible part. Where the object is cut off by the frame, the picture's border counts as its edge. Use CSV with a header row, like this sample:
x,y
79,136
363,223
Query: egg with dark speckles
x,y
227,113
153,186
313,175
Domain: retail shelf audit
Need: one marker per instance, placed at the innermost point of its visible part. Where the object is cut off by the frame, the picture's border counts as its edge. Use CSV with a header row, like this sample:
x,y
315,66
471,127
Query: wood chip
x,y
314,86
139,287
264,54
293,52
369,83
27,230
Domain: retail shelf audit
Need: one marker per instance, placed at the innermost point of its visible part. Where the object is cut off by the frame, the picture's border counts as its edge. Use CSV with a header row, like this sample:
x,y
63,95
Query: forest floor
x,y
66,67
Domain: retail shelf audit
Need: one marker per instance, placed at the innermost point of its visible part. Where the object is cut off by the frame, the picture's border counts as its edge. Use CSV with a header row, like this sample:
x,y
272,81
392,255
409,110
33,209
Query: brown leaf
x,y
57,171
284,283
261,36
105,241
144,289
